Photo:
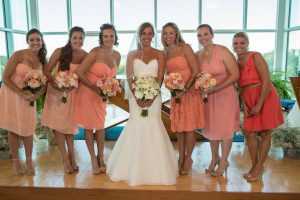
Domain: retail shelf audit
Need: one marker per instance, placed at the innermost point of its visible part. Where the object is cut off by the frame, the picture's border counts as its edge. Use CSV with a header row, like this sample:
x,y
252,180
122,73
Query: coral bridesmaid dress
x,y
270,115
90,110
187,115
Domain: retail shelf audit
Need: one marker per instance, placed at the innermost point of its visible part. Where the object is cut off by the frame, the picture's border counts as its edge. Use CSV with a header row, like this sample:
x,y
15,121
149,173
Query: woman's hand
x,y
246,111
140,103
179,94
256,109
148,103
26,95
55,86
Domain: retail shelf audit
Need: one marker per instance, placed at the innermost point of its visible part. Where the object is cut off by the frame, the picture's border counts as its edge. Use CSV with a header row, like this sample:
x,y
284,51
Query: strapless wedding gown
x,y
143,154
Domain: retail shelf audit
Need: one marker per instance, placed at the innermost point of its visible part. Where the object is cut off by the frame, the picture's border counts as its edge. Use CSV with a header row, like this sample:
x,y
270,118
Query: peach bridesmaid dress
x,y
58,115
90,110
16,115
270,115
187,115
222,111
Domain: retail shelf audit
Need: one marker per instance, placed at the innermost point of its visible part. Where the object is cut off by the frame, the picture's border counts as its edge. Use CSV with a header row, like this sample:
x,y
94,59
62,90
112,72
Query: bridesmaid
x,y
222,109
261,104
187,115
16,115
57,115
90,110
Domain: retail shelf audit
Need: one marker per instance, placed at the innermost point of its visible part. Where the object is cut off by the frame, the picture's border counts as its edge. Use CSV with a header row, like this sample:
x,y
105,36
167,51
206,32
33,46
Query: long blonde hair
x,y
179,39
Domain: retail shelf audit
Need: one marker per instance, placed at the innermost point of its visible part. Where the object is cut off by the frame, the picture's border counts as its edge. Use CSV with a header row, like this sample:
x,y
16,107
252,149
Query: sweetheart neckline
x,y
107,65
154,59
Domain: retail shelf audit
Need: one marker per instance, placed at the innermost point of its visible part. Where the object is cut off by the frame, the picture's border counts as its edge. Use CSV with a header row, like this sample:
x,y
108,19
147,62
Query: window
x,y
19,41
90,14
222,14
263,43
126,44
130,14
3,54
54,41
90,42
1,15
19,14
52,15
183,13
262,14
293,57
225,40
192,40
295,13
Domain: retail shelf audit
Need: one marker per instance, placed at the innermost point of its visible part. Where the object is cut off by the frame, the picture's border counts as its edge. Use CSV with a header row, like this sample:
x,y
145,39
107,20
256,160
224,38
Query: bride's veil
x,y
136,45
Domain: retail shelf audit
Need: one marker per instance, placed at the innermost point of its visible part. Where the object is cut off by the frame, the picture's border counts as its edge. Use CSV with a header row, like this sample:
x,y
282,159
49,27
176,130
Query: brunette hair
x,y
43,51
104,27
66,55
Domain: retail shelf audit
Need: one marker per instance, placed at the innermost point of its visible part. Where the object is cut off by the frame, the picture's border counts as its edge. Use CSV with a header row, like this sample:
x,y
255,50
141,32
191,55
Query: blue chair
x,y
287,104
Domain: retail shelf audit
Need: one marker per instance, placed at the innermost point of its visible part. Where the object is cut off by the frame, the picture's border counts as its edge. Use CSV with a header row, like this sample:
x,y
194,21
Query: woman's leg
x,y
214,146
223,164
181,148
262,155
190,139
89,140
60,139
71,154
28,145
13,141
100,135
253,146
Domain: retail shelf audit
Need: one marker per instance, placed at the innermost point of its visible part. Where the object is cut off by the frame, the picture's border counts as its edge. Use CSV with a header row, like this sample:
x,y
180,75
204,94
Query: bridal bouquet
x,y
205,82
174,82
146,88
108,88
34,81
66,80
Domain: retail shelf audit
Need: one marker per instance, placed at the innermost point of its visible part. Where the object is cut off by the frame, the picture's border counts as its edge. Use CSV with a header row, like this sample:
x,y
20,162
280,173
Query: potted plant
x,y
288,138
4,148
282,86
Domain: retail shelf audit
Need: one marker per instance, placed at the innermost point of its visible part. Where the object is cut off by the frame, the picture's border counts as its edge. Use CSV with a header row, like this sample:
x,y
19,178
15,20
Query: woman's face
x,y
240,45
169,35
108,38
77,39
204,36
35,42
146,37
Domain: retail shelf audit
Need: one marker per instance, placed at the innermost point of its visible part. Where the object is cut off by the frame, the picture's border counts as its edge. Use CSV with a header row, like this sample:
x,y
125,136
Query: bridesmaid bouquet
x,y
174,82
205,82
108,88
146,88
34,81
65,80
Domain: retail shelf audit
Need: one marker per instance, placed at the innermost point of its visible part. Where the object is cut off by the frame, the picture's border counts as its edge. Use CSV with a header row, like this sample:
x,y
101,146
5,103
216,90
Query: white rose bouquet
x,y
146,88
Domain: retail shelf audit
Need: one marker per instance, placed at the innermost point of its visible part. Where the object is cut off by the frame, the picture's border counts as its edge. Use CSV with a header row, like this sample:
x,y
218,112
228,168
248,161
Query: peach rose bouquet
x,y
204,83
34,81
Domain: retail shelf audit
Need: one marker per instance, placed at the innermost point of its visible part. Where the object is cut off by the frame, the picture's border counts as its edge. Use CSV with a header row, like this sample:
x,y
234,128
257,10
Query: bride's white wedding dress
x,y
143,154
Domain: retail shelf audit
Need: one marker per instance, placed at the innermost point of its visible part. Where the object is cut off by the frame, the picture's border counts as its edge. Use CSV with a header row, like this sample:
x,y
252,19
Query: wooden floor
x,y
281,179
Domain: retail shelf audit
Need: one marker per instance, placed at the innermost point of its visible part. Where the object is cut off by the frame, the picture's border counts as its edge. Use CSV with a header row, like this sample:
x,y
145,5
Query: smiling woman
x,y
90,110
16,115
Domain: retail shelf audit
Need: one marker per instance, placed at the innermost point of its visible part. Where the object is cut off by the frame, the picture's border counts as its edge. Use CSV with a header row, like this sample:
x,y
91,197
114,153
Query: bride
x,y
143,154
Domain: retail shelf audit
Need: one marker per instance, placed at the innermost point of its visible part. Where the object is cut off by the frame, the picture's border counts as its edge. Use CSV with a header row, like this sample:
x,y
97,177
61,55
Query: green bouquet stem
x,y
144,113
